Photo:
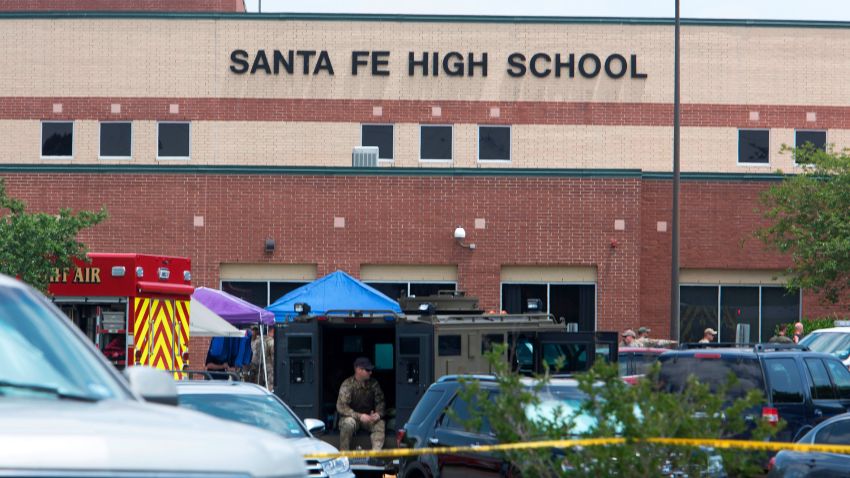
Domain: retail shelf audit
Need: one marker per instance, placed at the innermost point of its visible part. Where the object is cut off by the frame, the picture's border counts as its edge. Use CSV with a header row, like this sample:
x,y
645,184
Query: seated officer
x,y
361,405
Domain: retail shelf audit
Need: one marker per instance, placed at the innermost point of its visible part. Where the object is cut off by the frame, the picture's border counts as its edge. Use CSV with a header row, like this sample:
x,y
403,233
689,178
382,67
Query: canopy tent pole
x,y
263,352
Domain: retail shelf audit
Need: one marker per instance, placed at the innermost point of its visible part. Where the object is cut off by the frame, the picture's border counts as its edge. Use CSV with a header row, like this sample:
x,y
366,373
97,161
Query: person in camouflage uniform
x,y
361,405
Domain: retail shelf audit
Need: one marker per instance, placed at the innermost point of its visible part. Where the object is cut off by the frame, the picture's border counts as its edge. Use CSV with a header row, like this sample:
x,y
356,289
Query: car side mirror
x,y
153,385
315,427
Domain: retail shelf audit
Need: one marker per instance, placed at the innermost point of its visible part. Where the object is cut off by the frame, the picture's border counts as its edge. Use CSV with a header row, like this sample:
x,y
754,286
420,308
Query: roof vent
x,y
364,157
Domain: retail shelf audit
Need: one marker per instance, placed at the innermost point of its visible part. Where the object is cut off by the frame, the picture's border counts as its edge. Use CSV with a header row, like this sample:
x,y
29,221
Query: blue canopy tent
x,y
337,291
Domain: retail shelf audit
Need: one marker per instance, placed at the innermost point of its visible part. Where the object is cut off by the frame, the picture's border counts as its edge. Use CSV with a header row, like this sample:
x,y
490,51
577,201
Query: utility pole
x,y
674,273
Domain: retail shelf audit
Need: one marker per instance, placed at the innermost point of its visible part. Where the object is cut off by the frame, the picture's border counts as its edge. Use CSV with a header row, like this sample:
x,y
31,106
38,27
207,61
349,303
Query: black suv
x,y
801,387
431,426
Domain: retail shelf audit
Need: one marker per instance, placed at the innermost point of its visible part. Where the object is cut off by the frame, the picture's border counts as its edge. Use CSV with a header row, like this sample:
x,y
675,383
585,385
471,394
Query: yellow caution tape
x,y
688,442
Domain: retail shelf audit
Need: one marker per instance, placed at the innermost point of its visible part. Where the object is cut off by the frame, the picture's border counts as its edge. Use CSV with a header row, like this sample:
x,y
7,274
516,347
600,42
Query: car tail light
x,y
707,356
399,436
631,379
771,463
770,414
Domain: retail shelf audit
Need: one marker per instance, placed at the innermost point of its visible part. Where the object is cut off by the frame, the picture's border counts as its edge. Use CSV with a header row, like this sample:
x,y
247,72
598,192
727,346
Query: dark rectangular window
x,y
253,292
173,140
280,289
494,143
739,312
435,143
754,146
515,297
448,345
299,345
380,135
821,385
489,340
778,307
574,303
840,377
115,140
697,312
393,290
785,383
817,138
419,289
408,345
57,139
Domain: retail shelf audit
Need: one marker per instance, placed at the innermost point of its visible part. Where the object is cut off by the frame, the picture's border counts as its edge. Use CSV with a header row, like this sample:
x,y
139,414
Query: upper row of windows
x,y
435,141
116,140
754,144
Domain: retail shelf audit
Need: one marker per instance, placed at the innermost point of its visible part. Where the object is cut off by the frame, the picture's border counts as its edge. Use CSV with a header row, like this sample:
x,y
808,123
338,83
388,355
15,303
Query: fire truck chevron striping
x,y
134,307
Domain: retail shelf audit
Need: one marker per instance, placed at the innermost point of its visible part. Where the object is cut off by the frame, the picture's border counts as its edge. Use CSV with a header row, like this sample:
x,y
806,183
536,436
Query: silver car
x,y
254,405
66,411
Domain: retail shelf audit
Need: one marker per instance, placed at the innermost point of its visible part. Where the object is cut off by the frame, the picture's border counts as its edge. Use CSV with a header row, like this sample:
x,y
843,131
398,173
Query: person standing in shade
x,y
628,338
708,336
269,350
798,332
361,405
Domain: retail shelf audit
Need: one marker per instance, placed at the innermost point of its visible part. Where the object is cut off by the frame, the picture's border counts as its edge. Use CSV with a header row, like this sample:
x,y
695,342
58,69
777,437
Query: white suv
x,y
66,411
834,341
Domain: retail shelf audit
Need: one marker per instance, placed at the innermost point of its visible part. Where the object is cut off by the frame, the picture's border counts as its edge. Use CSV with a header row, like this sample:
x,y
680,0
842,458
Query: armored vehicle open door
x,y
298,371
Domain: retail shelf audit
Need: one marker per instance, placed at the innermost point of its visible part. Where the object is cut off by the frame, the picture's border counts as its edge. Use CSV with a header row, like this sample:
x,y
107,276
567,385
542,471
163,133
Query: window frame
x,y
73,143
738,144
720,287
392,136
804,130
173,158
452,138
100,136
510,143
548,301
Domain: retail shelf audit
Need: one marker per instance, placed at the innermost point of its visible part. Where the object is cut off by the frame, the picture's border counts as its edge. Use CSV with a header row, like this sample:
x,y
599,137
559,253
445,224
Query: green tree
x,y
809,216
614,408
33,245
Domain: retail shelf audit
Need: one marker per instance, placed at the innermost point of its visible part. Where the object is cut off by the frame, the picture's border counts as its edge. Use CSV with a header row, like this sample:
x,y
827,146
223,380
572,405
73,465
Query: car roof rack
x,y
715,345
779,347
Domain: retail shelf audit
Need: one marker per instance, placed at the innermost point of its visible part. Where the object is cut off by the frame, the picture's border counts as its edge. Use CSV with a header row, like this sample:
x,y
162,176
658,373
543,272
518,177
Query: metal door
x,y
414,370
297,368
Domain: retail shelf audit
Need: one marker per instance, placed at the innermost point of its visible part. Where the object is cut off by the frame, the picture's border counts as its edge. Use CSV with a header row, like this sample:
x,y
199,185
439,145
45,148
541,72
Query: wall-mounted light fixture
x,y
269,246
460,235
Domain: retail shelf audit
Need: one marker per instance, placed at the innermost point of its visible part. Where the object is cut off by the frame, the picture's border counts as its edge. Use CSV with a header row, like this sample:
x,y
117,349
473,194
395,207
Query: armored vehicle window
x,y
408,346
383,356
489,340
448,345
299,344
565,358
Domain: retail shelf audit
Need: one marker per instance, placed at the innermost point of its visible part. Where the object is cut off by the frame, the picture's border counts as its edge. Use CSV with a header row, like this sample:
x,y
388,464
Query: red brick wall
x,y
123,5
417,111
409,220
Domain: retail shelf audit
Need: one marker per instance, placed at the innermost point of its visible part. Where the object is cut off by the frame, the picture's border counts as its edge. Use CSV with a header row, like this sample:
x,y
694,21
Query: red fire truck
x,y
134,307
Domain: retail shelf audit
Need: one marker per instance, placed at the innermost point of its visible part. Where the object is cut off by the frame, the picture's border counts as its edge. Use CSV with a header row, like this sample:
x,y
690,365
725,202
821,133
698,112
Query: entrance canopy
x,y
337,291
230,308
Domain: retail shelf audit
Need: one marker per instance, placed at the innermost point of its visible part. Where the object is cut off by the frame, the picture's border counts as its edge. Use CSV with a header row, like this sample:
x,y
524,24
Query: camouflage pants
x,y
348,426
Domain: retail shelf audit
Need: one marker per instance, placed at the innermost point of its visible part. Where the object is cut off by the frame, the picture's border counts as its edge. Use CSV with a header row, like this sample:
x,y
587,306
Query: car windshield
x,y
43,356
835,343
263,411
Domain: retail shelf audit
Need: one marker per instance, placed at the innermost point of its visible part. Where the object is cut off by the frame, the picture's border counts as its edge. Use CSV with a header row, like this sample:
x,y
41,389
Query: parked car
x,y
439,421
253,405
835,431
801,387
66,411
834,341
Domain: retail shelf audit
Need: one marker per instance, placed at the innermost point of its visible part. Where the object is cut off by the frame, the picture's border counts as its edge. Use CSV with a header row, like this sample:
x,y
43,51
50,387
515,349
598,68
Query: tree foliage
x,y
32,245
809,216
633,412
